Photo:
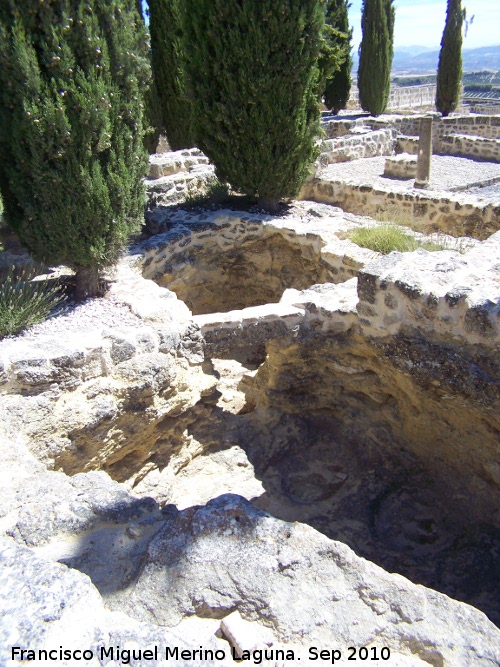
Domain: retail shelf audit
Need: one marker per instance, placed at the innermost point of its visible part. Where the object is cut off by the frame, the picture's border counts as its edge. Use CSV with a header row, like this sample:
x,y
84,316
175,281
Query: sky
x,y
421,22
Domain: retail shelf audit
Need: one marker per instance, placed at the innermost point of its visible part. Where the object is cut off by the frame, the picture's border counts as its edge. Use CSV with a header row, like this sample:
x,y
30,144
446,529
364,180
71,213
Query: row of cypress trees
x,y
73,76
72,117
376,53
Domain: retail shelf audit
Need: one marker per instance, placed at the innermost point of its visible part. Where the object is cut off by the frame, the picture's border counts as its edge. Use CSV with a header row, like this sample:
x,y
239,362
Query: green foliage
x,y
338,83
71,129
449,74
386,237
24,302
480,88
253,77
424,80
153,118
167,48
375,55
214,193
484,76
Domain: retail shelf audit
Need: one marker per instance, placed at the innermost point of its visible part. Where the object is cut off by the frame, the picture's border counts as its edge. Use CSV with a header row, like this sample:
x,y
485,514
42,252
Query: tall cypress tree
x,y
168,63
71,129
375,55
254,80
338,85
449,74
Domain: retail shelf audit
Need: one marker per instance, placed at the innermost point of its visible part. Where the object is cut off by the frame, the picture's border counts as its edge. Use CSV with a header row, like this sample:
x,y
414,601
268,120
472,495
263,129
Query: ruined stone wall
x,y
356,146
467,146
458,214
471,125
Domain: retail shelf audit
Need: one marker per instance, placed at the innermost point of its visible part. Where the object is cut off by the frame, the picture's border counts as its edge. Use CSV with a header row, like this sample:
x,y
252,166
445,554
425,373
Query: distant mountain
x,y
420,60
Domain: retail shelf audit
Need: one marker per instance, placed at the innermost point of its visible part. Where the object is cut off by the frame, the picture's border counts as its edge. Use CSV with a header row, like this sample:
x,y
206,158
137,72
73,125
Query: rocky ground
x,y
125,424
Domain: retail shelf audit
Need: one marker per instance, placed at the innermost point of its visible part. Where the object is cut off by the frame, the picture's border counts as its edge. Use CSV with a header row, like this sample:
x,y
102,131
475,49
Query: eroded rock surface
x,y
365,405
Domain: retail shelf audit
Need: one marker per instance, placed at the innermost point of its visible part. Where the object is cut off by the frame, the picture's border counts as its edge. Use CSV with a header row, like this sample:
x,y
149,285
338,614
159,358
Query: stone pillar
x,y
424,153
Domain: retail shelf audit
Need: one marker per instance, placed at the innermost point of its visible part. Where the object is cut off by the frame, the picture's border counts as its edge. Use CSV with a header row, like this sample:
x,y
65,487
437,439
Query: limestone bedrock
x,y
365,405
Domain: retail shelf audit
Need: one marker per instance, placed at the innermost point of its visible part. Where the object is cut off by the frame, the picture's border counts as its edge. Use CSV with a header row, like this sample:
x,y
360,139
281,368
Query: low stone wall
x,y
406,144
490,109
460,214
353,147
469,146
438,295
470,124
401,166
339,126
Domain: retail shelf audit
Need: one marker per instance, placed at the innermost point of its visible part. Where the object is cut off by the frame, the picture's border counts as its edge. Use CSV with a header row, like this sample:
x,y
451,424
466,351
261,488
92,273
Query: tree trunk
x,y
269,204
87,282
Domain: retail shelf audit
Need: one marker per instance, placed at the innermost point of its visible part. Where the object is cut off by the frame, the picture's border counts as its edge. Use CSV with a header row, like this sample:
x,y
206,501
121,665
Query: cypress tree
x,y
449,74
375,55
253,75
71,129
168,64
338,85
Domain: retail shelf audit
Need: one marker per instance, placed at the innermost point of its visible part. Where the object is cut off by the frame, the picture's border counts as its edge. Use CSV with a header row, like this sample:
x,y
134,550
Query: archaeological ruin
x,y
267,437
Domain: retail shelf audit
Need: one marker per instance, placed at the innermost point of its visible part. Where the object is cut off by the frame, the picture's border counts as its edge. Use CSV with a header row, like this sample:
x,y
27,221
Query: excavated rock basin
x,y
371,413
372,442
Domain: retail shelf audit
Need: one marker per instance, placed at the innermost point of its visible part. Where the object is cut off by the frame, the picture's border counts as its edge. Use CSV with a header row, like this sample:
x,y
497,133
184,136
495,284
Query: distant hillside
x,y
407,60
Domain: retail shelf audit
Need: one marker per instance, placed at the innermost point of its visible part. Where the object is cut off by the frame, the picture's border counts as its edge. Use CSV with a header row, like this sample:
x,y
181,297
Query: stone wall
x,y
457,214
356,146
470,124
175,175
478,148
401,166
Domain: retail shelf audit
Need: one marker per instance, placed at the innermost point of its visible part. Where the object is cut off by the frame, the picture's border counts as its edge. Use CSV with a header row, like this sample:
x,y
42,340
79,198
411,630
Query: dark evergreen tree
x,y
253,75
168,64
333,50
71,129
338,85
449,74
375,55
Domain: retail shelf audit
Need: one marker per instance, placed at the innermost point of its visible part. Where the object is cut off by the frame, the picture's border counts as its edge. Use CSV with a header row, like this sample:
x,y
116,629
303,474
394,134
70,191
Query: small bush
x,y
24,301
386,238
214,192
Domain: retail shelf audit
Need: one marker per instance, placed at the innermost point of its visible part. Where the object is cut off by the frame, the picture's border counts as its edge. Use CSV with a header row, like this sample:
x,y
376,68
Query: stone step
x,y
166,164
364,143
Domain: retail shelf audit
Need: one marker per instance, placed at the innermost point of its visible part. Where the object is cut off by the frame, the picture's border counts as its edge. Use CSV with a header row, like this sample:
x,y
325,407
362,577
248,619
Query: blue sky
x,y
422,21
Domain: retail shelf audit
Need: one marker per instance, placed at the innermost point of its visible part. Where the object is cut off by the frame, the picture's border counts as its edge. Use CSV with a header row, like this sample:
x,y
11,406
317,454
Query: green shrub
x,y
253,76
214,192
24,301
72,76
386,238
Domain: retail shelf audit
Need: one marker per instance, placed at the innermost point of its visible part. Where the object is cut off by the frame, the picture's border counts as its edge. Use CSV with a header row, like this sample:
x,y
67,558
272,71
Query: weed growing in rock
x,y
386,237
24,301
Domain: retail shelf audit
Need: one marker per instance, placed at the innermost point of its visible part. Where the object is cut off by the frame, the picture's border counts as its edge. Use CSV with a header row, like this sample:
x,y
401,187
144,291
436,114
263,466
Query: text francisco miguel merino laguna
x,y
125,656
